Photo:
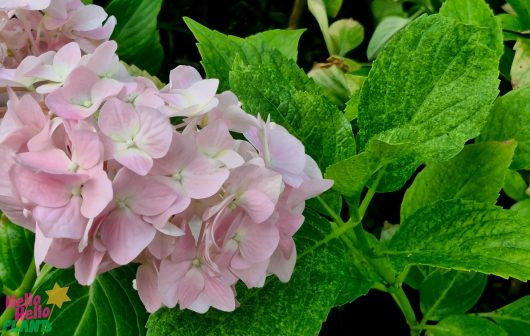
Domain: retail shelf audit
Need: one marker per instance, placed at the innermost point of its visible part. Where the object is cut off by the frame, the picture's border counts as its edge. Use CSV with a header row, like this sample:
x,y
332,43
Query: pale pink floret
x,y
188,278
188,94
216,142
124,232
280,150
82,94
24,4
137,136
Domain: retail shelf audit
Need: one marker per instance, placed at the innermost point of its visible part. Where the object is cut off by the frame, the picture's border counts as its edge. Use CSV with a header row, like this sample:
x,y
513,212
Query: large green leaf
x,y
136,32
477,173
296,308
476,13
218,51
278,88
465,325
514,318
110,306
431,88
16,253
464,235
509,120
522,10
447,292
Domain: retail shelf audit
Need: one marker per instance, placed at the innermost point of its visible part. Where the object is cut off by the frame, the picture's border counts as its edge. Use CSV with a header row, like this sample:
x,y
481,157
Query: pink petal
x,y
118,120
168,277
259,241
135,159
154,199
281,265
87,149
189,287
61,222
201,179
219,295
183,76
146,282
257,205
97,194
86,267
155,131
52,161
87,18
125,235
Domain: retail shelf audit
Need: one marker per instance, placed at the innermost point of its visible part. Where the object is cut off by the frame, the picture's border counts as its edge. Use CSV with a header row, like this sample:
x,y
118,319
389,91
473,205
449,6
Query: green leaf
x,y
520,72
522,9
509,120
16,252
464,235
346,35
476,13
385,8
387,28
136,32
218,51
522,208
515,186
320,274
514,318
445,293
477,173
109,306
465,325
333,7
285,41
279,88
428,92
318,9
417,274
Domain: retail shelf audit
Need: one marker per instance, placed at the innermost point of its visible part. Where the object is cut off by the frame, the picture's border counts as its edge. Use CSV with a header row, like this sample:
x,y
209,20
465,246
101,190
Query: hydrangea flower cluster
x,y
34,27
107,169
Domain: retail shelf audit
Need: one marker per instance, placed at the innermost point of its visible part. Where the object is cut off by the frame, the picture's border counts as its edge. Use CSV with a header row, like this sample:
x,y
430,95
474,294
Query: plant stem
x,y
8,292
404,304
369,195
296,13
331,212
25,286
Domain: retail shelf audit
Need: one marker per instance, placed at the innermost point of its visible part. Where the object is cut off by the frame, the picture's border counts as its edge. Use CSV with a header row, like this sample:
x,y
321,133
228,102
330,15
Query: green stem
x,y
404,304
369,195
331,212
296,14
25,286
8,292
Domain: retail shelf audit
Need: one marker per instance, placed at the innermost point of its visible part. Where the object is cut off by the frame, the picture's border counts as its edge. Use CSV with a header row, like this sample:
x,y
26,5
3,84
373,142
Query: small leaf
x,y
522,208
387,28
285,41
515,186
318,9
219,51
520,72
16,252
464,235
522,9
514,318
509,120
346,35
333,7
466,325
136,32
446,292
477,173
109,306
335,83
385,8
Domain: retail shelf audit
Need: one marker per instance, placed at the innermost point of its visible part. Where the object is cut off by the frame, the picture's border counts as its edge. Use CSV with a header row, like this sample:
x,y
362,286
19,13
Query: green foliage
x,y
465,325
110,306
429,91
346,35
322,270
16,252
477,173
464,235
509,120
515,186
444,293
136,32
522,11
387,28
514,318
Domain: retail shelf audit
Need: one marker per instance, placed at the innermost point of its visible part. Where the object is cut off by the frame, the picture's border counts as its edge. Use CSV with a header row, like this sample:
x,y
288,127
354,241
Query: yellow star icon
x,y
57,295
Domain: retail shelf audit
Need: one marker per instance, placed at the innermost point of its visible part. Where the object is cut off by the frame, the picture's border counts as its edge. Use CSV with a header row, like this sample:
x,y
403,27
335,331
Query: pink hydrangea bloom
x,y
90,162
